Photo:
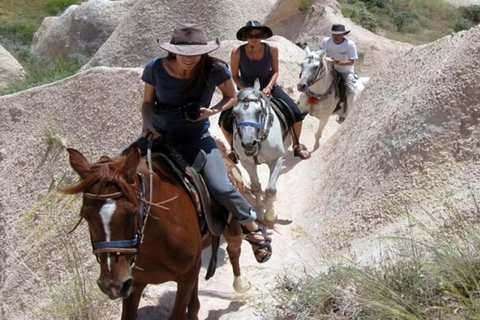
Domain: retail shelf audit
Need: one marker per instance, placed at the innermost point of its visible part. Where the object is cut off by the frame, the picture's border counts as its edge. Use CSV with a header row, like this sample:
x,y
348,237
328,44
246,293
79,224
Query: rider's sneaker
x,y
340,119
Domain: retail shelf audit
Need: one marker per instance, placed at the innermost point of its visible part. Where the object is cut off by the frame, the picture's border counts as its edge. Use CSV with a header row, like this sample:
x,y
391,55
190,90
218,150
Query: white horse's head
x,y
250,114
315,65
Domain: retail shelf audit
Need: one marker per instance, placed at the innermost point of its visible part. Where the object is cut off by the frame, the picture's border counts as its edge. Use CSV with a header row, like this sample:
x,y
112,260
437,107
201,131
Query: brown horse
x,y
140,240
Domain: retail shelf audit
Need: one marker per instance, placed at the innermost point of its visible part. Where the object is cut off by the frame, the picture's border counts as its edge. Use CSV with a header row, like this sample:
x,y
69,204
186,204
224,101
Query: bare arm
x,y
275,70
235,67
229,97
148,110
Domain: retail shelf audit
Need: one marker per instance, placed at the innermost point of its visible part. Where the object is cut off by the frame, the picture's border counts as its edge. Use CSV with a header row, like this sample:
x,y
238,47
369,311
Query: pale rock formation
x,y
81,29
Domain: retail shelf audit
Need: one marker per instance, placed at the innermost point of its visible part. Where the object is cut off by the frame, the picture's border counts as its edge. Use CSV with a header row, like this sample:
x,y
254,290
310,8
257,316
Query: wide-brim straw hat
x,y
253,25
189,40
338,29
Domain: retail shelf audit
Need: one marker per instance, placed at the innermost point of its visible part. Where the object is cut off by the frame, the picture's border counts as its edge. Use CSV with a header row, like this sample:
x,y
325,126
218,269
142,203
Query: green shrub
x,y
471,13
462,24
304,5
402,19
359,13
56,7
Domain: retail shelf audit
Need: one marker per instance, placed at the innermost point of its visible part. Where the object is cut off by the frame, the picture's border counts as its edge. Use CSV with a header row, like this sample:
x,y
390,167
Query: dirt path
x,y
293,252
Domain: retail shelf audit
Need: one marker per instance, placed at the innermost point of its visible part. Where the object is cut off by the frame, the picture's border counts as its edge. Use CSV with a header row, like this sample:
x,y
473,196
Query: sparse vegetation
x,y
411,21
18,22
304,5
435,276
56,7
41,70
49,250
52,138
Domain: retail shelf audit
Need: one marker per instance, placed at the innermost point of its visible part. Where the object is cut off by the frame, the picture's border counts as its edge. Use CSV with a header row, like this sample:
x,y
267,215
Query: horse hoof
x,y
241,285
270,217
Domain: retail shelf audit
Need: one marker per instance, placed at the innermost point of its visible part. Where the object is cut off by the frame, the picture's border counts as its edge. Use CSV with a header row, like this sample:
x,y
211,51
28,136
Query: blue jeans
x,y
220,187
215,175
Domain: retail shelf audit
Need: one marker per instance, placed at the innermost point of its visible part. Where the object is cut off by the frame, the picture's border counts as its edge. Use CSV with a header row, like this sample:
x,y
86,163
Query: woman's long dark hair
x,y
200,72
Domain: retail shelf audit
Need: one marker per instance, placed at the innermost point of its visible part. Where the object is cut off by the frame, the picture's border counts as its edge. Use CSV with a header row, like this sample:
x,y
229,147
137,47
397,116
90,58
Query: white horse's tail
x,y
360,84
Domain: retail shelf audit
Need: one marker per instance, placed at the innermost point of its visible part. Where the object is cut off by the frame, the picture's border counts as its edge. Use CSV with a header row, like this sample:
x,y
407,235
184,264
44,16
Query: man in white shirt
x,y
343,52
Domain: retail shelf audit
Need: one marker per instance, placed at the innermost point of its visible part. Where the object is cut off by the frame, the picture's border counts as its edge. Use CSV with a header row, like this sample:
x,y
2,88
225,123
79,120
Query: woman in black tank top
x,y
258,59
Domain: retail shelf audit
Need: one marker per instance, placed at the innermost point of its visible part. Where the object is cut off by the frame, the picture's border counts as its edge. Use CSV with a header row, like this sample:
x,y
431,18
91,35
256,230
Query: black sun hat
x,y
189,40
254,25
339,29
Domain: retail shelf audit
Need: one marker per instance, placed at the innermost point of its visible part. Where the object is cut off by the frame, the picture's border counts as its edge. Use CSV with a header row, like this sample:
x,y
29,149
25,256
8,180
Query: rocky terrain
x,y
412,139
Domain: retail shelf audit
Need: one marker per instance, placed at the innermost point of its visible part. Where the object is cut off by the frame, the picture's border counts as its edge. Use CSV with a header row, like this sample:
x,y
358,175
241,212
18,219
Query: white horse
x,y
319,95
259,138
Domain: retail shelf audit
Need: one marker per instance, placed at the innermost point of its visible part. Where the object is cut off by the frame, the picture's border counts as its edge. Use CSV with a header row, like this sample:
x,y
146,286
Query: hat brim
x,y
265,30
339,32
190,49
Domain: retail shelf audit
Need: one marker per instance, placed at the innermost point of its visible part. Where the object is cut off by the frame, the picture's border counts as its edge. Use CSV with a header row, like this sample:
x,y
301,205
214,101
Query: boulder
x,y
10,68
81,29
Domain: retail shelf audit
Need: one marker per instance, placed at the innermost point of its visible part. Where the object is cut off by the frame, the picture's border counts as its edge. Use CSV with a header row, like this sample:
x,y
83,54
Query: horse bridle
x,y
265,122
122,246
321,73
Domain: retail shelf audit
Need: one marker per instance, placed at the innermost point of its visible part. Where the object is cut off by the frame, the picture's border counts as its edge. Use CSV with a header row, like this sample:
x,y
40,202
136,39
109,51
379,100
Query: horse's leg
x,y
187,295
255,185
322,115
271,189
233,236
130,304
318,133
193,304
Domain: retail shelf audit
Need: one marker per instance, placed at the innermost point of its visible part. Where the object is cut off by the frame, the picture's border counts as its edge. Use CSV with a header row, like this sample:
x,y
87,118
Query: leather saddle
x,y
186,163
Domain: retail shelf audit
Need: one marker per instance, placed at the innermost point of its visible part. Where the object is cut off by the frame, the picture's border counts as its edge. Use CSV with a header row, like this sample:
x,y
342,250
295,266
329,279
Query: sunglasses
x,y
253,36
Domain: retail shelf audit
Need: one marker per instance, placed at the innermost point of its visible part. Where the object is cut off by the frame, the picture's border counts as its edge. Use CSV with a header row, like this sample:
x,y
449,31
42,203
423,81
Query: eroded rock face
x,y
135,40
80,29
10,68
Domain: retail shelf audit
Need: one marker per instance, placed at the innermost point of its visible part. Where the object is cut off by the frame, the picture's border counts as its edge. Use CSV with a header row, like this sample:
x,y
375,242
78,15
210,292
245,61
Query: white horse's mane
x,y
317,55
248,91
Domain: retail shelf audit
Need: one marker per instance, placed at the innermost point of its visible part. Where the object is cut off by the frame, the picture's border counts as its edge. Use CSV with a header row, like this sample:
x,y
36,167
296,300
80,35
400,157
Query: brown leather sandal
x,y
262,249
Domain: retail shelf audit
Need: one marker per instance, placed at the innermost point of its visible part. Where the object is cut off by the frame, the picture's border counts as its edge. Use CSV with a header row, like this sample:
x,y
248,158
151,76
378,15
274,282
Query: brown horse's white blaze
x,y
106,213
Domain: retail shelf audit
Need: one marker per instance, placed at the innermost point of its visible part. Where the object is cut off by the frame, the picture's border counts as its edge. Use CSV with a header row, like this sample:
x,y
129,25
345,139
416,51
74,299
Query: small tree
x,y
462,24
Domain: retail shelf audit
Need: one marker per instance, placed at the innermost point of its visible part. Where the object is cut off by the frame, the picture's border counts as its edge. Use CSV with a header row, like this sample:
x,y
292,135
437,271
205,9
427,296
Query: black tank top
x,y
261,69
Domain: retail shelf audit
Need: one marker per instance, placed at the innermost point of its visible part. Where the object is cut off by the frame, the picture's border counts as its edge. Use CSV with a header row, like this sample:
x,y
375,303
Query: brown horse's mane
x,y
106,170
109,170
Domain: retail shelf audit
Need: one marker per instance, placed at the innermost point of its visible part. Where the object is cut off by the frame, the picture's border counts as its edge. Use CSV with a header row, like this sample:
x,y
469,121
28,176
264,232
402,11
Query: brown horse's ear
x,y
132,159
78,162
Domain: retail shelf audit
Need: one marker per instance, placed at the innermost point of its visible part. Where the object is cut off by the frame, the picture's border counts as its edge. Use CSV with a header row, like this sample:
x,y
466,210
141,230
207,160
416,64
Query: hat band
x,y
185,42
